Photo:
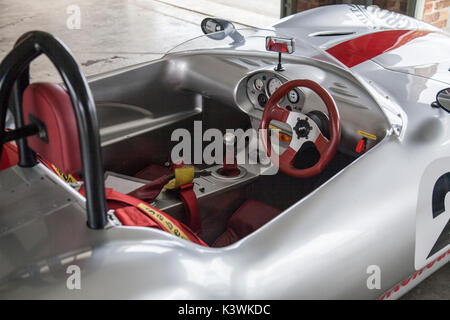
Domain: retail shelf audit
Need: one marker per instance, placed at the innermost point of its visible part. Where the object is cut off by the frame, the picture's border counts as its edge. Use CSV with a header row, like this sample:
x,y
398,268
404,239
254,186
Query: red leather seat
x,y
50,104
250,216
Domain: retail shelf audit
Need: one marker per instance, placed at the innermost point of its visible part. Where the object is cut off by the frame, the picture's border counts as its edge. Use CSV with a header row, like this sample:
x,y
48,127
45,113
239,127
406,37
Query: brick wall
x,y
400,6
303,5
435,11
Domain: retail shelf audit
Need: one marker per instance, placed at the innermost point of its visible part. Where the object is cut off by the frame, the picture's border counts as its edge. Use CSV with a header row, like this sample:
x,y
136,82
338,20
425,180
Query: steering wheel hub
x,y
302,128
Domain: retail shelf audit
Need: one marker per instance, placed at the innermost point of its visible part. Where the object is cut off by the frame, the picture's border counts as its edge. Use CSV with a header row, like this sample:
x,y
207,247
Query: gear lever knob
x,y
228,140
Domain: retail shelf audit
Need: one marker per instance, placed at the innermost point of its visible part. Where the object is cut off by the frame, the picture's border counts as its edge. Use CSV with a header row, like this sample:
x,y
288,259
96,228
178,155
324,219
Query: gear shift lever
x,y
230,167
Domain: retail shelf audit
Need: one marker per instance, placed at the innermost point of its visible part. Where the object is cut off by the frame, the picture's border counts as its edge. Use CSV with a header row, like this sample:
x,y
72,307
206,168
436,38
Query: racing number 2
x,y
440,190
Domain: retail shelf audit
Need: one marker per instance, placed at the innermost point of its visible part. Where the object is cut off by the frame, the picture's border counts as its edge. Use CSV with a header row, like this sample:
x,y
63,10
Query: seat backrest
x,y
49,104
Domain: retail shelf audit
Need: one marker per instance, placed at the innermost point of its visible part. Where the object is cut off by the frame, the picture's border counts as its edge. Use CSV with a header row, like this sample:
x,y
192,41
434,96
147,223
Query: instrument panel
x,y
262,85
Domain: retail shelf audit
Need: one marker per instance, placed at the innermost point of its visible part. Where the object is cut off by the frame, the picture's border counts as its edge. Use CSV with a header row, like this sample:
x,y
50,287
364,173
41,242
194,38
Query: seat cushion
x,y
250,216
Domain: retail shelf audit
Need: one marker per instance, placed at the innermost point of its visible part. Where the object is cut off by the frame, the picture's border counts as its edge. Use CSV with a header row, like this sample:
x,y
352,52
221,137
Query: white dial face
x,y
259,84
274,84
293,96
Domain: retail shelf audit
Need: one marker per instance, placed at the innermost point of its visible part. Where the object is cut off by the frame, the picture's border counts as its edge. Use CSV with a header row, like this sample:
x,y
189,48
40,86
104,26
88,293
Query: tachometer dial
x,y
259,84
293,96
273,85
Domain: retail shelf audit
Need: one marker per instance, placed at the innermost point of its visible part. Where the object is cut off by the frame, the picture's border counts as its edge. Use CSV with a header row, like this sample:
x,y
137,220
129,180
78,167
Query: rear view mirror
x,y
217,29
280,45
443,99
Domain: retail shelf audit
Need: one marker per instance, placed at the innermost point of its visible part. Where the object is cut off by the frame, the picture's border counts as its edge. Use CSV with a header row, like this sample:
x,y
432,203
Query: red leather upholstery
x,y
10,156
250,216
51,104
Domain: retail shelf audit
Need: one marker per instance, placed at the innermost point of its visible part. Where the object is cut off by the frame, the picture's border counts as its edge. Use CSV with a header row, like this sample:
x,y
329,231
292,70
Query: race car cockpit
x,y
208,144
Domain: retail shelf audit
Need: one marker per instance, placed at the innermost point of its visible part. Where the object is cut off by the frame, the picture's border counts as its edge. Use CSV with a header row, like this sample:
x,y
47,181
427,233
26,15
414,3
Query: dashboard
x,y
360,115
262,85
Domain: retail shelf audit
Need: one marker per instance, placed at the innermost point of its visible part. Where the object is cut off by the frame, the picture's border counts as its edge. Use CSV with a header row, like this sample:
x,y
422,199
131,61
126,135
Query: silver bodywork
x,y
373,212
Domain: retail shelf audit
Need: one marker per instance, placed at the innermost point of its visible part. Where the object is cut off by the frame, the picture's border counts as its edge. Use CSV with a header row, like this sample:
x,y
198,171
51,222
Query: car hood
x,y
354,34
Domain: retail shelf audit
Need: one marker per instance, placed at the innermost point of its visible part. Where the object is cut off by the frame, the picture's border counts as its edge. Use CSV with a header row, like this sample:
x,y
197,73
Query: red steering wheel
x,y
304,129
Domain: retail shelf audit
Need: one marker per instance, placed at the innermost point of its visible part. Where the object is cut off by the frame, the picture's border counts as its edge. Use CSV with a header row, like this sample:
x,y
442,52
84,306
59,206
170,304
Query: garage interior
x,y
118,33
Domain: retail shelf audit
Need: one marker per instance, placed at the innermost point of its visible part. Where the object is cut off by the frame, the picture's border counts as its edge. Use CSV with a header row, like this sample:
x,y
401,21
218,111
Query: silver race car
x,y
307,160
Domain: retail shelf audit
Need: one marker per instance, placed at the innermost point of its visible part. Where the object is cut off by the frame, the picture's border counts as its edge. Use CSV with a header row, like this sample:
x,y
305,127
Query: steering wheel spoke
x,y
287,158
278,113
322,144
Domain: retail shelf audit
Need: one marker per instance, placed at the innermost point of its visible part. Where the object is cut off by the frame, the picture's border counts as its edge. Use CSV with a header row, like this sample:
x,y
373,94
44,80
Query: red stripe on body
x,y
355,51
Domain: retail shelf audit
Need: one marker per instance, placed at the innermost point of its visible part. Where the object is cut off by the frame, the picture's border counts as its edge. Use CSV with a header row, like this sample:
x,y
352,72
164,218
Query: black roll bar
x,y
14,76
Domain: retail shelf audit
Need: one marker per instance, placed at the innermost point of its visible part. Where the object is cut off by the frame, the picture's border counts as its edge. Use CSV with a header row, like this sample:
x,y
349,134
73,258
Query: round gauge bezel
x,y
268,85
262,84
297,96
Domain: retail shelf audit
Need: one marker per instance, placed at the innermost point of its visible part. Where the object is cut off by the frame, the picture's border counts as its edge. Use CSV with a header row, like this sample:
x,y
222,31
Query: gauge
x,y
293,96
259,84
273,85
262,100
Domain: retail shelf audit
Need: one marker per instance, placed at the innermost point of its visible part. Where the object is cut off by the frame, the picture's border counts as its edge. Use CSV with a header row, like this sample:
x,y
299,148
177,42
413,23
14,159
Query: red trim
x,y
404,283
355,51
10,156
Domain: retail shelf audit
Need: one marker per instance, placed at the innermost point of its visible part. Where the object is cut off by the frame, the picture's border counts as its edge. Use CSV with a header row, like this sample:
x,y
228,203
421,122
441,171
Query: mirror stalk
x,y
279,67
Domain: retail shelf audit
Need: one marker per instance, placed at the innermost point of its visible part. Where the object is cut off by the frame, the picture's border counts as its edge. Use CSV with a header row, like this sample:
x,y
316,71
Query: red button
x,y
361,146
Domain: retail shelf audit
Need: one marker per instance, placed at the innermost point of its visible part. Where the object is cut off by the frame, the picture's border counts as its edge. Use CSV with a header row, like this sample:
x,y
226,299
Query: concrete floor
x,y
435,287
113,34
118,33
